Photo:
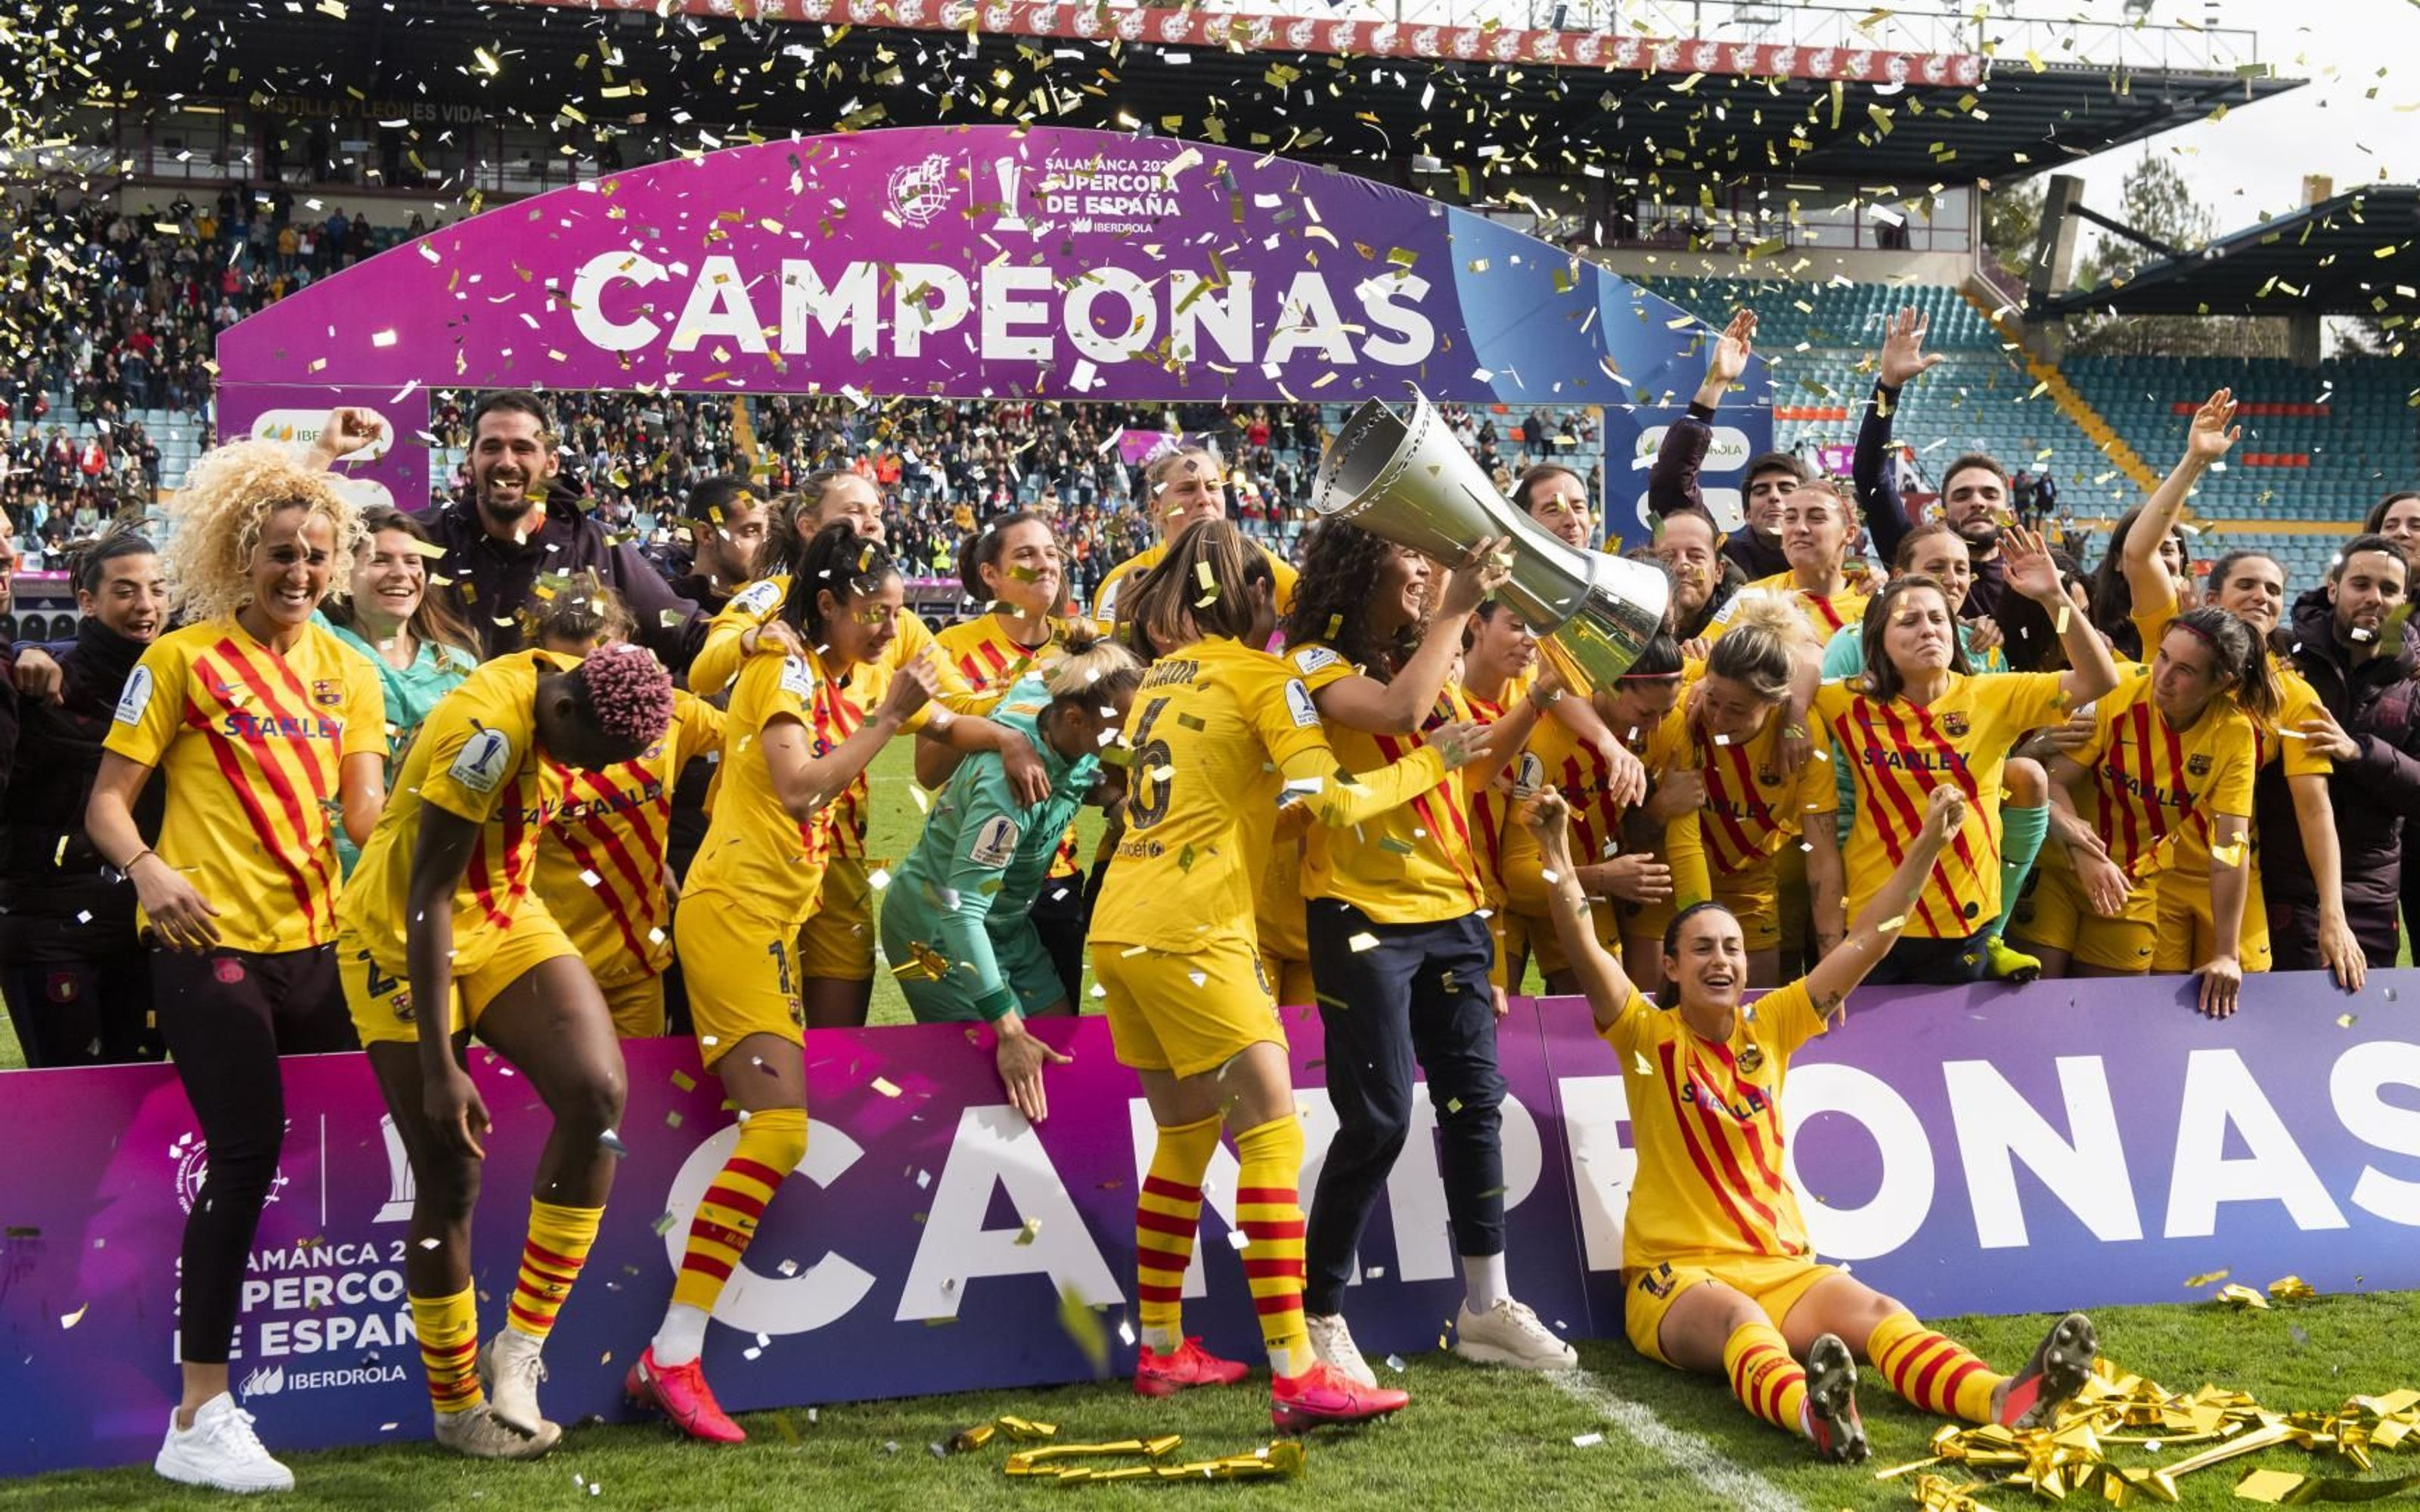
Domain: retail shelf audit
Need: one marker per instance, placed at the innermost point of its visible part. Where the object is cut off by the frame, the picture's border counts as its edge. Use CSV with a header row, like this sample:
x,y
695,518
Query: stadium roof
x,y
2339,258
1540,102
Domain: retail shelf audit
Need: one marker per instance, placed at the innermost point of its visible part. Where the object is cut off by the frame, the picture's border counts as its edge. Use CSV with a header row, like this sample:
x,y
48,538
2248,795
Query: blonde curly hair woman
x,y
266,724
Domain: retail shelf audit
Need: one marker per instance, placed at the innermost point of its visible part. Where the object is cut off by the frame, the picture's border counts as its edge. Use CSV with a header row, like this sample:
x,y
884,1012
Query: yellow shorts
x,y
838,942
1188,1013
1547,950
1775,1283
2052,913
2187,932
742,974
1790,901
637,1005
1754,898
1289,979
380,1000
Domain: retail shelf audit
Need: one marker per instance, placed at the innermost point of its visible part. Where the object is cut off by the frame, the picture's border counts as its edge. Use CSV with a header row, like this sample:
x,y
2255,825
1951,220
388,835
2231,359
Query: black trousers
x,y
2294,934
1062,915
1412,992
228,1016
83,1012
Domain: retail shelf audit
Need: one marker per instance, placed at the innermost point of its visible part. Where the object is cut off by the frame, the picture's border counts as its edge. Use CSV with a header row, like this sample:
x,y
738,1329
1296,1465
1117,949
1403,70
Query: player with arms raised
x,y
1717,1271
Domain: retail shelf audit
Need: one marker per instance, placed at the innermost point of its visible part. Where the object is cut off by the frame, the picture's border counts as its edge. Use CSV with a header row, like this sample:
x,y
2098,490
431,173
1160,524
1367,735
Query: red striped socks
x,y
449,1348
770,1143
1934,1372
557,1247
1268,1210
1768,1382
1168,1215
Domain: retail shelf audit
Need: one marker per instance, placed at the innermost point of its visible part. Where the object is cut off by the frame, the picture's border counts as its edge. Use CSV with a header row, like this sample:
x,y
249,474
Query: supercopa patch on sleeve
x,y
995,842
136,697
1299,704
481,764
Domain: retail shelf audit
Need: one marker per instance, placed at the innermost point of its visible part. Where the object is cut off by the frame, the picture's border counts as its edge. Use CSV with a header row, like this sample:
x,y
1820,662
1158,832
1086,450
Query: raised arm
x,y
1398,706
1672,482
1877,926
1901,360
2030,571
804,781
2206,442
1601,977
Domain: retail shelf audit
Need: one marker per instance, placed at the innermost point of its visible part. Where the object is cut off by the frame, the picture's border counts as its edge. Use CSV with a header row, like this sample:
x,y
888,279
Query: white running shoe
x,y
509,1372
1510,1334
220,1451
1333,1343
482,1435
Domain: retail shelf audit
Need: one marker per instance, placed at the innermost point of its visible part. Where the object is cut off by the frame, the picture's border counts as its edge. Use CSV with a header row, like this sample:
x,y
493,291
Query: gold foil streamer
x,y
1027,1429
1046,1462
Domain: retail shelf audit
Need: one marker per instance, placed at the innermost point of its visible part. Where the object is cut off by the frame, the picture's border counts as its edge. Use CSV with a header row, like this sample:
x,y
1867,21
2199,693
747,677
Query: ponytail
x,y
2241,659
1093,669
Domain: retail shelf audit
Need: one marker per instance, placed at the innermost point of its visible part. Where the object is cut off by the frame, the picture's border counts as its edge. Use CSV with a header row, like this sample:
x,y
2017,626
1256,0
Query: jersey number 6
x,y
1151,771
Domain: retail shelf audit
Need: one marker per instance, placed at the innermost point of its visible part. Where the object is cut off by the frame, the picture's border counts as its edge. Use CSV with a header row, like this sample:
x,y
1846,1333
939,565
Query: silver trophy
x,y
1401,475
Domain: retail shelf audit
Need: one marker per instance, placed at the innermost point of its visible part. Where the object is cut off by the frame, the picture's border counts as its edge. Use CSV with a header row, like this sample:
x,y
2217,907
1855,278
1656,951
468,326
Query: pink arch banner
x,y
976,262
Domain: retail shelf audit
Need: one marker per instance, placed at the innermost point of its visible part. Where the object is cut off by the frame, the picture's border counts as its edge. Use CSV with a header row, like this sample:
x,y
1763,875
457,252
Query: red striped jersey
x,y
601,868
476,756
1705,1122
1752,809
1827,613
1410,865
252,743
2154,786
1897,753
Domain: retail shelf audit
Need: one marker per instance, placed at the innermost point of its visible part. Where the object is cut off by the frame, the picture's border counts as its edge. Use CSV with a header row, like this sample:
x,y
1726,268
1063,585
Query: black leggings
x,y
228,1016
1404,993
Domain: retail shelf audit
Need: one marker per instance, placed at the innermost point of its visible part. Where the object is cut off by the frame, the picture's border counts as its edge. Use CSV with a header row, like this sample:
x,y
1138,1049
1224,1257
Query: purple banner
x,y
923,1247
393,472
2073,1144
971,262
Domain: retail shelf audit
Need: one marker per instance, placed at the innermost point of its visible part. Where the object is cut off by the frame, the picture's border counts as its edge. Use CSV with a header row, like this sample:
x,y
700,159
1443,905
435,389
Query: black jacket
x,y
60,902
2373,792
1672,484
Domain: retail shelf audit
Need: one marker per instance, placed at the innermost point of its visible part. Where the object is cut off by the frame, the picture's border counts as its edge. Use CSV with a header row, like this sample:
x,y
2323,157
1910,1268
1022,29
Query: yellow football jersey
x,y
1104,599
1599,829
476,756
760,603
1752,809
1210,737
1899,753
2152,785
601,869
251,744
1412,865
1706,1126
1826,613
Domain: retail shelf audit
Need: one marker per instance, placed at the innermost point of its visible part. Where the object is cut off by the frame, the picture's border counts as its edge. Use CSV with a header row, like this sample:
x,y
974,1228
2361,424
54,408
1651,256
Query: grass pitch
x,y
1472,1436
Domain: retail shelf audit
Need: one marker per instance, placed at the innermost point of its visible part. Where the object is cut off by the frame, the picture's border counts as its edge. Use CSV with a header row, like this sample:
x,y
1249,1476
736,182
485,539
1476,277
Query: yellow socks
x,y
551,1257
770,1143
449,1348
1934,1373
1168,1215
1768,1382
1267,1208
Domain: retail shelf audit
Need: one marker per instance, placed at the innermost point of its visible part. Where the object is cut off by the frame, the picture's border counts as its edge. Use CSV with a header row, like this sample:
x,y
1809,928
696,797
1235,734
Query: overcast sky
x,y
2357,118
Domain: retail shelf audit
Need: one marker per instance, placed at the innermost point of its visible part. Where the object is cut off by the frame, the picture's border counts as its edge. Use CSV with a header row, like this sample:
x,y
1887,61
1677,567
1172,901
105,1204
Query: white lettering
x,y
1228,321
2353,1086
1597,1110
1410,339
2219,1092
1307,318
1997,1127
850,299
1006,308
1897,1208
718,306
588,290
995,1146
1133,334
914,314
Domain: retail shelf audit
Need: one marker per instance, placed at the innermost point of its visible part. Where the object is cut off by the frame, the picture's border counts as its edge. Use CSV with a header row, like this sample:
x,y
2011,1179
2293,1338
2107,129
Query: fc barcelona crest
x,y
327,692
2198,764
1750,1061
1955,722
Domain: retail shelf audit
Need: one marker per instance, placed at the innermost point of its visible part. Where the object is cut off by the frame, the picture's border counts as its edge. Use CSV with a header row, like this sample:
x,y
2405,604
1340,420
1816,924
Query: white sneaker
x,y
220,1451
482,1435
1510,1334
509,1372
1333,1343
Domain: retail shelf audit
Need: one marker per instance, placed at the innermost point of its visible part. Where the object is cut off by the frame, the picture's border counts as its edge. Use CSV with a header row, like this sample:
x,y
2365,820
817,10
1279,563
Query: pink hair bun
x,y
629,693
